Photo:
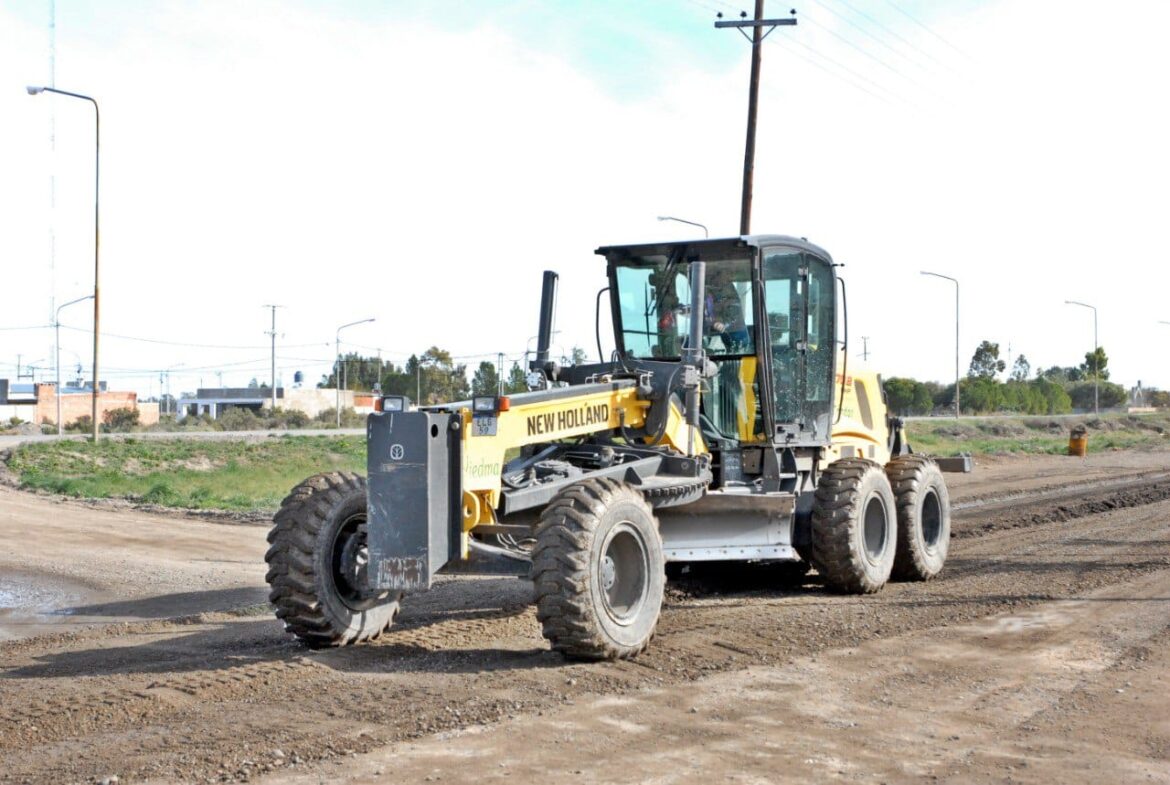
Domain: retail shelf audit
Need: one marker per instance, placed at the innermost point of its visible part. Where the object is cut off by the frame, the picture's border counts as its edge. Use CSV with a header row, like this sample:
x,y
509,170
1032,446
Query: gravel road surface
x,y
137,645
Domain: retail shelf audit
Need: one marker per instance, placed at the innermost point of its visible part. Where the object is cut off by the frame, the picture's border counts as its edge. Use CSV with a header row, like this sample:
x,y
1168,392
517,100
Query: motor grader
x,y
726,427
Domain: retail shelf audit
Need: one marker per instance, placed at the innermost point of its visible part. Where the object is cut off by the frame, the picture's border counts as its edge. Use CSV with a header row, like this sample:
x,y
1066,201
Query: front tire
x,y
924,517
317,564
598,570
854,526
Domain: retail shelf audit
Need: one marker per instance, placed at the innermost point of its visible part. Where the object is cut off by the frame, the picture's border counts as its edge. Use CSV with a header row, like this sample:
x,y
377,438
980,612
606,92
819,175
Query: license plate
x,y
483,426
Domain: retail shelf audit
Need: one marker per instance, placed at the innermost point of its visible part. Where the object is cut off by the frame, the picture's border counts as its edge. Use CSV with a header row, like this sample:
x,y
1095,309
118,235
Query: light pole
x,y
170,400
57,351
956,283
1096,399
272,333
685,221
337,370
32,90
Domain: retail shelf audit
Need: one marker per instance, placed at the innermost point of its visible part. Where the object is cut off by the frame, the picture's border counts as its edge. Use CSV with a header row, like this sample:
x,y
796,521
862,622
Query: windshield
x,y
654,296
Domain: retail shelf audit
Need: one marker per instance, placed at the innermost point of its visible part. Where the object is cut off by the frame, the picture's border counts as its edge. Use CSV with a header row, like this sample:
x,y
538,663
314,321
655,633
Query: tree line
x,y
430,377
1055,390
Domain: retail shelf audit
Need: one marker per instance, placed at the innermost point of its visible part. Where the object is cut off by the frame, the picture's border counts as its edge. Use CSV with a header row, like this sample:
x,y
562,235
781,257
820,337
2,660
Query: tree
x,y
124,419
899,394
577,357
486,380
517,380
982,394
985,363
439,378
1021,368
1098,360
1111,395
357,372
1062,375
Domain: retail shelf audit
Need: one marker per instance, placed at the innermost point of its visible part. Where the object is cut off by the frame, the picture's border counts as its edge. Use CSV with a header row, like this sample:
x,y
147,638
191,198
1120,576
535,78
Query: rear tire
x,y
317,564
924,517
854,526
598,570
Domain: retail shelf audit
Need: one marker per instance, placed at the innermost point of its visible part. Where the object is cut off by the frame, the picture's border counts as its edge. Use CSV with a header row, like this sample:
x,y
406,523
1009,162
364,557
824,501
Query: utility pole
x,y
272,333
864,348
500,374
758,23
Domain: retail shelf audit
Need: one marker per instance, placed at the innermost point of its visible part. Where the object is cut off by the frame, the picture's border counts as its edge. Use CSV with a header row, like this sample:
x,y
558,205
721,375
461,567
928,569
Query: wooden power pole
x,y
757,24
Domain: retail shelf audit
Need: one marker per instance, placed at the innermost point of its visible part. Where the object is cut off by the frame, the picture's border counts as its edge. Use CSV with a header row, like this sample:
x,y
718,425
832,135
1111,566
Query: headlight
x,y
392,403
486,404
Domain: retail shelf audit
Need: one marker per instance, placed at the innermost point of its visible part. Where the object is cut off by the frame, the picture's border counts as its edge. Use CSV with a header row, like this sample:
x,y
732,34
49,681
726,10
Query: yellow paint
x,y
850,430
550,421
745,418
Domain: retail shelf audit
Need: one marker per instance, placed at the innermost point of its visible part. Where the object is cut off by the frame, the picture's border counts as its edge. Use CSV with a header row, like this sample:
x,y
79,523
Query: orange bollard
x,y
1078,441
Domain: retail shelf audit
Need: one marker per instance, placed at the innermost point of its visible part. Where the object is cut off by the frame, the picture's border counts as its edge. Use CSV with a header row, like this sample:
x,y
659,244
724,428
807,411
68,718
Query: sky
x,y
421,164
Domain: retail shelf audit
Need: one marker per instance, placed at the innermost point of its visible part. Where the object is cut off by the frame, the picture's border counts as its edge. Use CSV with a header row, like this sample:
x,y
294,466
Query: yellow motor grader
x,y
725,427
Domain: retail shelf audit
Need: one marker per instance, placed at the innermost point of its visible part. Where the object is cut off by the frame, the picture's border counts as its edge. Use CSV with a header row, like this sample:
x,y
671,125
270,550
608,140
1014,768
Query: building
x,y
37,403
213,401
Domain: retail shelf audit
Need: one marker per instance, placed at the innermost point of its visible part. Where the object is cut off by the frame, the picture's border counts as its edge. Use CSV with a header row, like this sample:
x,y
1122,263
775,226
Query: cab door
x,y
799,306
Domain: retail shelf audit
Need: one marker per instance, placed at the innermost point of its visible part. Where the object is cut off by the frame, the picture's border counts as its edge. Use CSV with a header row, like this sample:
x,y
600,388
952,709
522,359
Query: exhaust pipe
x,y
548,306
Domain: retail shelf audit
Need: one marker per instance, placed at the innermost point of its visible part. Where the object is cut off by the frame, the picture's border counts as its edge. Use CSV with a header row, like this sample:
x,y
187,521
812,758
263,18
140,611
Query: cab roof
x,y
716,245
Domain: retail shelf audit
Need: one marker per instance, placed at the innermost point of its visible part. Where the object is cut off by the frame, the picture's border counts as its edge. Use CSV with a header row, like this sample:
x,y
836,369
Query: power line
x,y
870,55
913,19
847,69
186,344
889,30
30,327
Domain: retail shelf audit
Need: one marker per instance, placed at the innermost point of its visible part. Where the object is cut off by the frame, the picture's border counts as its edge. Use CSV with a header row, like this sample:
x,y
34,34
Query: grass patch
x,y
241,476
255,475
1038,435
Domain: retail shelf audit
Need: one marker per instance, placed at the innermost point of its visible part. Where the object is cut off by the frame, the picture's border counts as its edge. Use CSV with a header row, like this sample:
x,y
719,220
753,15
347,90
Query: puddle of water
x,y
31,604
28,595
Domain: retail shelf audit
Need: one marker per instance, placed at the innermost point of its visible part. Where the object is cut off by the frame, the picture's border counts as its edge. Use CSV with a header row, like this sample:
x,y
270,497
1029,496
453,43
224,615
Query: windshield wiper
x,y
667,273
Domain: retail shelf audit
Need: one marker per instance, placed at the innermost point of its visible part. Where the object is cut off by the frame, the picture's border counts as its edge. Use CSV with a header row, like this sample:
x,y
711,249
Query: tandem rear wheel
x,y
854,526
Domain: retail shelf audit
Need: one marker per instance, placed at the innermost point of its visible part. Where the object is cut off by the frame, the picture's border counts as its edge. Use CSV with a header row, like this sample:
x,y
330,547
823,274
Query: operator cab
x,y
769,320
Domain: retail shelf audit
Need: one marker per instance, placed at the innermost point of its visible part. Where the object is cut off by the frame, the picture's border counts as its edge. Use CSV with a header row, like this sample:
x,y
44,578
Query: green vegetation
x,y
254,475
1033,436
1056,390
222,475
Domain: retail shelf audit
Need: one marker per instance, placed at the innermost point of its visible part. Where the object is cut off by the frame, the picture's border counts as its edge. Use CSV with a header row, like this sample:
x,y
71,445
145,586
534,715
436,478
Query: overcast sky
x,y
422,163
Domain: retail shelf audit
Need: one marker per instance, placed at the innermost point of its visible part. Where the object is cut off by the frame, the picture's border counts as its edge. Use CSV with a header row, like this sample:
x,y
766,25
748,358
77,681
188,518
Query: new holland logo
x,y
553,422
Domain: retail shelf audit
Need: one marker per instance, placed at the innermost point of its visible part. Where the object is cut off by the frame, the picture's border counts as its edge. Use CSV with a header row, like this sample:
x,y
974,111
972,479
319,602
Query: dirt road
x,y
1041,655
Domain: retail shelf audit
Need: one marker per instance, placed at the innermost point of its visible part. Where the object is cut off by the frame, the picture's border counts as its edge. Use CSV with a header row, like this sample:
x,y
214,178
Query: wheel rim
x,y
931,520
623,574
349,561
875,529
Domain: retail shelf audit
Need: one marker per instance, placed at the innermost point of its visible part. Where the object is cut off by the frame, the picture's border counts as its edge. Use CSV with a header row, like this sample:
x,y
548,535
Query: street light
x,y
167,374
685,221
32,90
57,351
1095,383
956,283
337,371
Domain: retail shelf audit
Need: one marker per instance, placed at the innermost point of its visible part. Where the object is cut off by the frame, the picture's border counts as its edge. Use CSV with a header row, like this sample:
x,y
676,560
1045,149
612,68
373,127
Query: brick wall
x,y
75,405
